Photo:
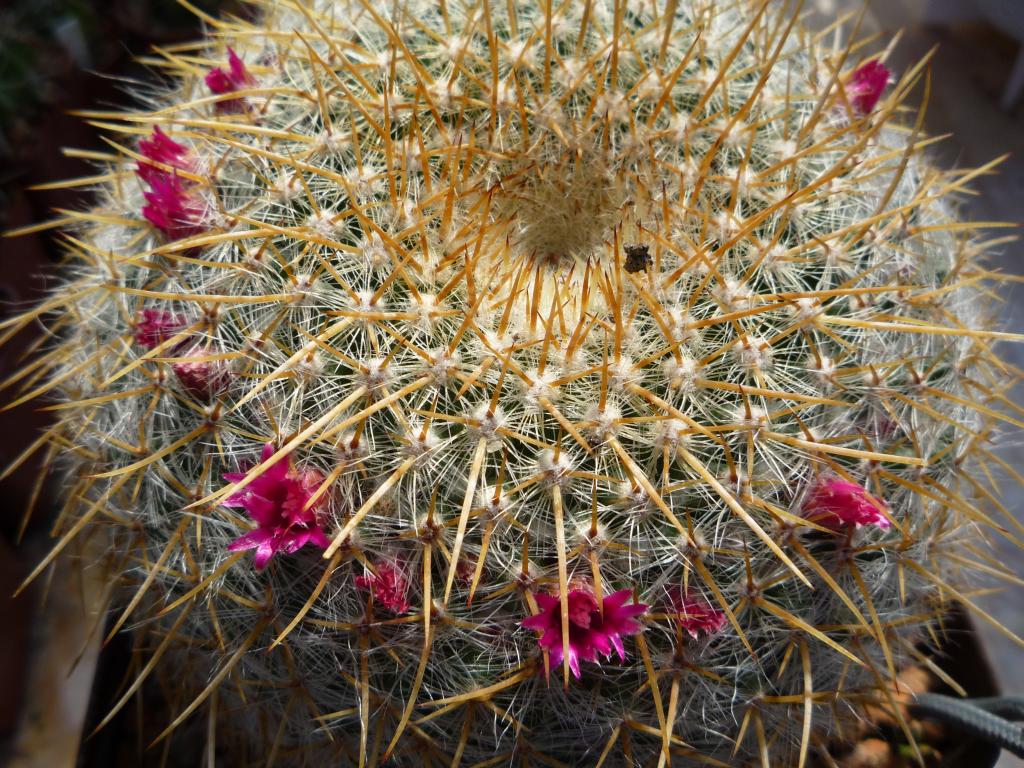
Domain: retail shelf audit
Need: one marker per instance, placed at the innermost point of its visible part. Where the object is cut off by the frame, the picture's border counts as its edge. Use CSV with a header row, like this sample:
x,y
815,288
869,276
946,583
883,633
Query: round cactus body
x,y
557,384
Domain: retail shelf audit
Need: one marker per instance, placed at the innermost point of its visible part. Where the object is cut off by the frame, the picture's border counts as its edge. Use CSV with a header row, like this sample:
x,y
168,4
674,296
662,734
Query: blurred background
x,y
55,56
977,96
62,55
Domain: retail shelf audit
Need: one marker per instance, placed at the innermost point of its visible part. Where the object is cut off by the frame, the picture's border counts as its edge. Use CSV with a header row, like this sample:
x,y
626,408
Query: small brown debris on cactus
x,y
638,258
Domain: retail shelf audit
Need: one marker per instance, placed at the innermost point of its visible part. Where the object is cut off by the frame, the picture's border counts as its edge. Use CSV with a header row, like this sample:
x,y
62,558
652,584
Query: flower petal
x,y
619,648
263,554
574,662
601,642
250,540
538,621
318,538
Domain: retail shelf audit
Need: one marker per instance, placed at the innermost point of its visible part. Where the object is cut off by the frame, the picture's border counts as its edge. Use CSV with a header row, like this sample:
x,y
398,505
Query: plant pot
x,y
883,743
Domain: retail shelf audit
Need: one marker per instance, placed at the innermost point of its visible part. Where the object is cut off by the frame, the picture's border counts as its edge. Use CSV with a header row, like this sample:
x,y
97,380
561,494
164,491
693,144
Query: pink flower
x,y
589,632
277,501
388,585
835,503
153,327
171,203
201,378
696,615
865,86
235,78
172,208
161,148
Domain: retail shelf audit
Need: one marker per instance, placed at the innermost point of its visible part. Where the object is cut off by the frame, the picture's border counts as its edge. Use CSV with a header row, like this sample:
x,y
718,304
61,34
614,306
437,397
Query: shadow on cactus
x,y
599,384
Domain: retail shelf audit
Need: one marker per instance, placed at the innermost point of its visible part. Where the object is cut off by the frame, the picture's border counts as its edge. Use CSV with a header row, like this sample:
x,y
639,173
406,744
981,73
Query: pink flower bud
x,y
836,504
388,585
172,208
865,86
202,378
696,615
235,78
161,148
153,327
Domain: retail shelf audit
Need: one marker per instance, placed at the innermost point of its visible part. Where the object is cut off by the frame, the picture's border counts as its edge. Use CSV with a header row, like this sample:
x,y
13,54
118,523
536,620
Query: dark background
x,y
55,56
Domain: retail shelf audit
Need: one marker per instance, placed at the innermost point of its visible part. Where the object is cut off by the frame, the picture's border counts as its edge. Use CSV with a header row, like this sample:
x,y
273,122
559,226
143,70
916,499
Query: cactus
x,y
584,383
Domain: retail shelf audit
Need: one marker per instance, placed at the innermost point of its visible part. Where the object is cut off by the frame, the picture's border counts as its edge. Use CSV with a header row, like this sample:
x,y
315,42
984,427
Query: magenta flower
x,y
161,148
866,84
201,378
388,586
233,79
696,615
836,503
277,501
153,327
171,203
172,208
589,632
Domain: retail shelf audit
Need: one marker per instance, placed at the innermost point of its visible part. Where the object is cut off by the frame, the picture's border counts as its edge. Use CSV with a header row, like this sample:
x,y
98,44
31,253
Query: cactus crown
x,y
625,364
